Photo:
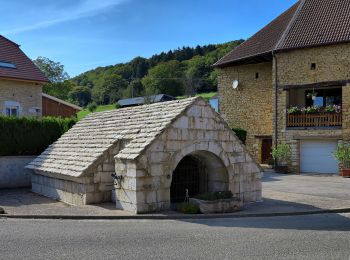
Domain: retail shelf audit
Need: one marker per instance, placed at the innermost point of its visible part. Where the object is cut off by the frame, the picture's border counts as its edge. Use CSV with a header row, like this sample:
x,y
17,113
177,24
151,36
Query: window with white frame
x,y
12,111
12,108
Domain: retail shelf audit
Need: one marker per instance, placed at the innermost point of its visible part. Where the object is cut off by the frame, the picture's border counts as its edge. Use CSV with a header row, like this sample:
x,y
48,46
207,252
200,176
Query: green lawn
x,y
206,96
85,111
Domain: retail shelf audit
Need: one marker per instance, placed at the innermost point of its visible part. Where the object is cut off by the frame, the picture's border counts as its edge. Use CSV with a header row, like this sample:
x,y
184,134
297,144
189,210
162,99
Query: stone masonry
x,y
27,94
147,143
332,63
250,106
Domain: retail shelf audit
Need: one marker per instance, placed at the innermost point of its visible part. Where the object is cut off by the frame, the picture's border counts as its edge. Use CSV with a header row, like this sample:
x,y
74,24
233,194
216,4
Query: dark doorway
x,y
266,149
189,174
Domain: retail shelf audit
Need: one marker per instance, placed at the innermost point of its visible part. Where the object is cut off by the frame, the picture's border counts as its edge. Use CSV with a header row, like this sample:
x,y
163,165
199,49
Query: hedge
x,y
30,136
241,134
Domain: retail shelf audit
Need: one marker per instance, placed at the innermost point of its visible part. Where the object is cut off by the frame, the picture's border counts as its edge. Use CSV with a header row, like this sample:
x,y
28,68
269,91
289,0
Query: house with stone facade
x,y
155,152
300,60
20,82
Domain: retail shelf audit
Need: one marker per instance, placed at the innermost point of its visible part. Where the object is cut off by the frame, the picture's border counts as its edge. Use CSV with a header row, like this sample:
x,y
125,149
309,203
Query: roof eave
x,y
25,79
245,60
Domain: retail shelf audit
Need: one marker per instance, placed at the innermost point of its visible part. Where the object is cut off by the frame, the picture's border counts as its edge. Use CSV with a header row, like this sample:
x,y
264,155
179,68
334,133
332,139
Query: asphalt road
x,y
302,237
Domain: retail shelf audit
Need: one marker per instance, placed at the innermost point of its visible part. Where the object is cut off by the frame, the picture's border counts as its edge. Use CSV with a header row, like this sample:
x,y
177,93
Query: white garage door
x,y
316,156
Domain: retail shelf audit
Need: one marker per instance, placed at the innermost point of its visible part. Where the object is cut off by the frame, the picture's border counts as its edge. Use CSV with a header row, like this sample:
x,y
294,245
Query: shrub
x,y
241,134
30,136
188,208
282,152
219,195
92,107
342,154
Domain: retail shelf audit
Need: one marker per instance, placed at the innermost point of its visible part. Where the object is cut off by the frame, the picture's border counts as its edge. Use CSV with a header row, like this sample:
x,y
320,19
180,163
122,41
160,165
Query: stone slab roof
x,y
24,69
308,23
85,143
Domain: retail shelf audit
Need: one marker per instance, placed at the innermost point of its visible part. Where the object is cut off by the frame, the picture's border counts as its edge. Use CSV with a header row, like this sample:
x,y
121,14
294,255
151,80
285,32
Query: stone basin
x,y
218,206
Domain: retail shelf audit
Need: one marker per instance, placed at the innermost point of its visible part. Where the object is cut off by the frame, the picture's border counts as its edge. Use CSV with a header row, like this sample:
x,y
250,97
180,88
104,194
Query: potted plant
x,y
342,154
281,154
312,95
217,202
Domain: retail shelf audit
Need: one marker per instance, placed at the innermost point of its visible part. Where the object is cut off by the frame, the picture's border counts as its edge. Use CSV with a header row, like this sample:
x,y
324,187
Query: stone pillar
x,y
346,112
295,158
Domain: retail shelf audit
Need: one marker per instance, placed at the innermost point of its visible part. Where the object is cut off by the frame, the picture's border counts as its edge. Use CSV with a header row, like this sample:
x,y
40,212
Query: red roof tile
x,y
10,52
307,23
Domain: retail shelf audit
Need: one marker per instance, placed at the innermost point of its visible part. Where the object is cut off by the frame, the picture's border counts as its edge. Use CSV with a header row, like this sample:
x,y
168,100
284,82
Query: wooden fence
x,y
314,120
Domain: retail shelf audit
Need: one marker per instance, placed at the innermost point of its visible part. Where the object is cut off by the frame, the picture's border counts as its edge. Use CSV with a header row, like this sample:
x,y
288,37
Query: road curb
x,y
175,217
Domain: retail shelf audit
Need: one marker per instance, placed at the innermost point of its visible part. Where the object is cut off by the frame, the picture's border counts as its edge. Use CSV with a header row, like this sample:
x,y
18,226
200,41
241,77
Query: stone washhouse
x,y
155,153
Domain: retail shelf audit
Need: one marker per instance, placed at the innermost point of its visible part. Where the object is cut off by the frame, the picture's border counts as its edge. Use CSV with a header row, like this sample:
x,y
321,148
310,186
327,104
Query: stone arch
x,y
211,147
199,172
215,160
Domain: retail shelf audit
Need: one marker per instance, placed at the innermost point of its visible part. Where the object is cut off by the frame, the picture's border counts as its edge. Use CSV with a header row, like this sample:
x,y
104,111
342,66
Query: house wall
x,y
294,68
27,94
249,107
147,180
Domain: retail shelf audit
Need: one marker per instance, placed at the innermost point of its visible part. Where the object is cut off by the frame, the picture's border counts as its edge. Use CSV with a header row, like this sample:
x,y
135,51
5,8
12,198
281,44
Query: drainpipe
x,y
276,93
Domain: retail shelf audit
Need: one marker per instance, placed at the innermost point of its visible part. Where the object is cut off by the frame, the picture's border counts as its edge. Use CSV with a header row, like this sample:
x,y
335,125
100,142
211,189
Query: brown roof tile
x,y
307,23
319,22
25,69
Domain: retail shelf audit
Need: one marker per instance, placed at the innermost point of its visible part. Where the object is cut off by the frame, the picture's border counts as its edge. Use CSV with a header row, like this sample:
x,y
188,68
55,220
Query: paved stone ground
x,y
281,194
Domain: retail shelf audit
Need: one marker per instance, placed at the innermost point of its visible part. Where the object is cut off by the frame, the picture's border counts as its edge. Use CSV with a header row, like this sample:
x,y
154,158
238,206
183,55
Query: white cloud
x,y
86,8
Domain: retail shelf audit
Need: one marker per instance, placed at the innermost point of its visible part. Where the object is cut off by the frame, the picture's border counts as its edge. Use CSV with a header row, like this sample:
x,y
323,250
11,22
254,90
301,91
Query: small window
x,y
257,75
313,66
12,111
5,64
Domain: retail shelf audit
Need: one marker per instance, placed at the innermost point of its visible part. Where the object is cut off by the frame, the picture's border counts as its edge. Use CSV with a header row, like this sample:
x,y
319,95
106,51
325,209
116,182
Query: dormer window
x,y
5,64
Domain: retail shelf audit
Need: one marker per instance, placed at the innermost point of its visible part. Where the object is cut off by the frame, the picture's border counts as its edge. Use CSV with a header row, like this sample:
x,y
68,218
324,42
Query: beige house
x,y
20,82
155,152
300,60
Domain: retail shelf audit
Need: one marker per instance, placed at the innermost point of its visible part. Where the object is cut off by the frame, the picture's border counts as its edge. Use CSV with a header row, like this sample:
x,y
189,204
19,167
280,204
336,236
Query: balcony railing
x,y
314,120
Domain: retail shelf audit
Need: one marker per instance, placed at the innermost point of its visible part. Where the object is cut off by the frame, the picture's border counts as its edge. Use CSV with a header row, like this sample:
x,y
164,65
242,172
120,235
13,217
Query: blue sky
x,y
84,34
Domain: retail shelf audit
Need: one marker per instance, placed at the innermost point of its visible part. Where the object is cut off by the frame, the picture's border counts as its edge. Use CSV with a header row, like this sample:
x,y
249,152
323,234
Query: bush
x,y
219,195
241,134
282,153
92,107
30,136
342,154
188,208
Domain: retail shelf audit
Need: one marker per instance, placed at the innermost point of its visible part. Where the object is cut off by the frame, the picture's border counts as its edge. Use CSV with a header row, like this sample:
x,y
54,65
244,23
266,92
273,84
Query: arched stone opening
x,y
198,172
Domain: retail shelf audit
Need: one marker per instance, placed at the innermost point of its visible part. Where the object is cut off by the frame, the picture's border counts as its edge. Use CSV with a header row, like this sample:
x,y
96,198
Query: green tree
x,y
134,89
80,95
110,91
59,89
165,78
124,70
140,67
54,71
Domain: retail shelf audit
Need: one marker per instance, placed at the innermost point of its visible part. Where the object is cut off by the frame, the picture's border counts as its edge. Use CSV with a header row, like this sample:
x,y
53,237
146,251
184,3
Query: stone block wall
x,y
198,132
249,107
95,187
27,94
